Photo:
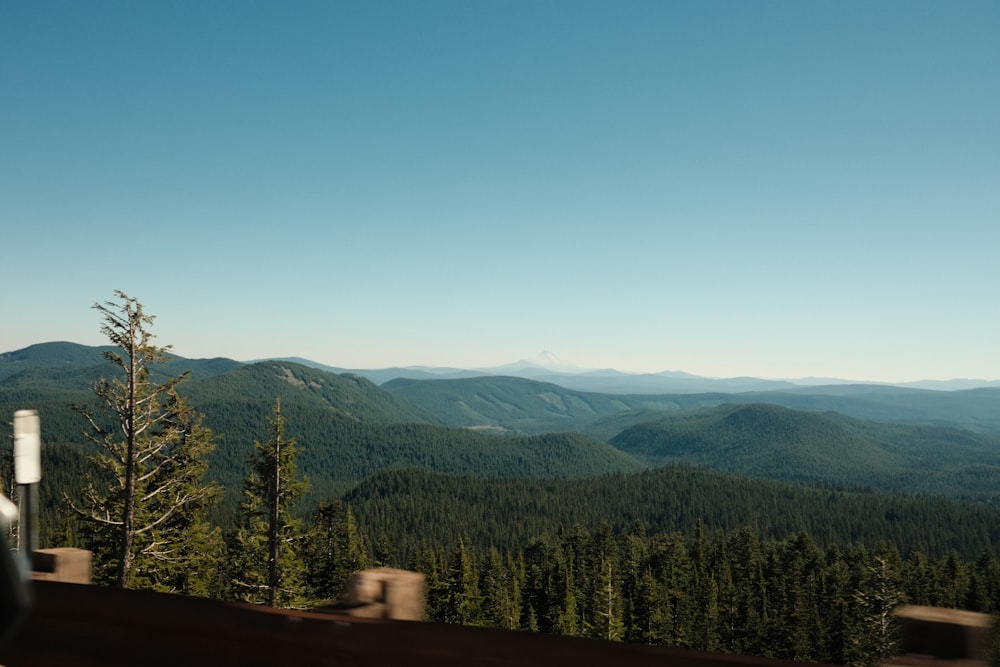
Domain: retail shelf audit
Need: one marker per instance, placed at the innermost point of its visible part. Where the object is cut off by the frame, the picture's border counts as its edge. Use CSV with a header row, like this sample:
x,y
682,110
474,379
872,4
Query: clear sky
x,y
768,188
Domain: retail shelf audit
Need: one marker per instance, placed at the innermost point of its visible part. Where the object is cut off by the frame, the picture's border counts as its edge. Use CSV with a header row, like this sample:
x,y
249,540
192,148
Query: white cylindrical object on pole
x,y
27,447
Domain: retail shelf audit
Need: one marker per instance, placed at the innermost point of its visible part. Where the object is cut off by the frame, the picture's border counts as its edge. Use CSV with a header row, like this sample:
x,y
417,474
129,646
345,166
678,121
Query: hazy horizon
x,y
723,188
548,364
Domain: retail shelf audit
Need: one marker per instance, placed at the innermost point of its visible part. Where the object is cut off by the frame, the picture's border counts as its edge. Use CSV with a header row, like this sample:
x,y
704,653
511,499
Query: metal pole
x,y
29,519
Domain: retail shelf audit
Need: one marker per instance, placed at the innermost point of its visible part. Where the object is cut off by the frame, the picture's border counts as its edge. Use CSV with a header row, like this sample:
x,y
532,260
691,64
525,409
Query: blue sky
x,y
779,189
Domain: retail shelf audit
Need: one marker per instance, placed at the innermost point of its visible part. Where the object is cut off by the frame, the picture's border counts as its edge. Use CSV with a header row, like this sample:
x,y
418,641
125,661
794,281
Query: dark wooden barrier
x,y
73,625
71,566
943,634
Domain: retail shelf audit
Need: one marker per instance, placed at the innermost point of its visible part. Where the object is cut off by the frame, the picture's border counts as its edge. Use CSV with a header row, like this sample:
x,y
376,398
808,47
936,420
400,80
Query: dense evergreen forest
x,y
411,508
701,521
732,591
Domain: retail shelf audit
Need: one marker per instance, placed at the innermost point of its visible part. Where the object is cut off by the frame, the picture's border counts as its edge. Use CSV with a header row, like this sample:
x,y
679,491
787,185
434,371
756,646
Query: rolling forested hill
x,y
69,366
52,377
522,405
910,440
526,406
821,448
60,356
347,427
977,409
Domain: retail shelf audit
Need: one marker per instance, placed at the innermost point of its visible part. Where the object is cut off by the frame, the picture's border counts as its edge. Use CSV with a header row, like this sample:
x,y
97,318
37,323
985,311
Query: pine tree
x,y
876,636
333,550
954,581
540,597
635,556
463,602
984,584
745,601
835,606
565,595
269,567
146,498
654,613
426,560
604,595
919,576
678,577
705,590
382,552
501,592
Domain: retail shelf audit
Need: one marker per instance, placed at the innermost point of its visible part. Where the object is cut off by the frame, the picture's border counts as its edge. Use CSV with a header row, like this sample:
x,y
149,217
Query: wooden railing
x,y
74,625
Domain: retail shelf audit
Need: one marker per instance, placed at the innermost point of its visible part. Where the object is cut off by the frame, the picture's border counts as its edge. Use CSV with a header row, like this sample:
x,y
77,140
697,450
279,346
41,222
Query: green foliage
x,y
509,511
876,636
333,550
268,565
461,602
718,591
152,447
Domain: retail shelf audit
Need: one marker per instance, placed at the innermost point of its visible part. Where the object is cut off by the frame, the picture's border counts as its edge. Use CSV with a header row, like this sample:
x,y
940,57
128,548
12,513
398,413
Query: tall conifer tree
x,y
147,499
463,598
268,564
334,550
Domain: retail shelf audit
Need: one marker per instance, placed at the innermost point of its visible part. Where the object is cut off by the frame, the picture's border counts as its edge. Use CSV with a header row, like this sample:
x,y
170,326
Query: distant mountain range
x,y
611,381
521,405
470,422
545,368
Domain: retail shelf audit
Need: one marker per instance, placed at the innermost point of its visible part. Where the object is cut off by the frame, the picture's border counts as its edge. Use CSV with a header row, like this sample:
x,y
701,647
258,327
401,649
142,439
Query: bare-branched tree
x,y
148,496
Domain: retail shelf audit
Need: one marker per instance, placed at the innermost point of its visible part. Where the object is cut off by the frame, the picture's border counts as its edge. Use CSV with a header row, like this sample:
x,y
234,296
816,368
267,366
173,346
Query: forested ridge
x,y
743,527
822,448
352,451
523,405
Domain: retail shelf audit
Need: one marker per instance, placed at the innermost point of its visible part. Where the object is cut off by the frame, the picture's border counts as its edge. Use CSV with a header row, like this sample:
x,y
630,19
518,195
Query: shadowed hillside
x,y
776,442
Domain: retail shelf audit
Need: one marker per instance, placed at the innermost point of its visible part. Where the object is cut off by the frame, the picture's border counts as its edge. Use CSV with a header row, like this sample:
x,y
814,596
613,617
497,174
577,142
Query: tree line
x,y
410,505
715,591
